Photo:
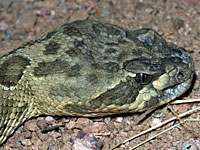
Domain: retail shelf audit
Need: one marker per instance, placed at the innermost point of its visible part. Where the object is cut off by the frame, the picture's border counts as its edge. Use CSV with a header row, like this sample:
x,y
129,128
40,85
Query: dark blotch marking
x,y
70,30
112,30
132,36
176,60
133,65
174,51
112,44
51,48
49,68
79,43
97,28
49,35
74,71
73,52
111,67
12,69
59,90
147,38
88,56
123,93
92,78
57,66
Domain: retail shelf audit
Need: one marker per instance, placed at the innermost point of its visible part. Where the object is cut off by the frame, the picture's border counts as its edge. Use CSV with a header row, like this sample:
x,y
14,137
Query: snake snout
x,y
182,65
187,70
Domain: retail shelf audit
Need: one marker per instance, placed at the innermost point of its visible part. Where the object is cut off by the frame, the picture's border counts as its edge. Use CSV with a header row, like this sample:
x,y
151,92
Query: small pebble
x,y
189,146
26,142
31,126
155,122
119,119
49,120
86,141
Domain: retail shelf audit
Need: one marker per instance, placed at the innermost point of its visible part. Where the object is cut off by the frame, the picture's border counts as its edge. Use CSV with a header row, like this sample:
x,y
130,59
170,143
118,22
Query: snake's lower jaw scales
x,y
89,68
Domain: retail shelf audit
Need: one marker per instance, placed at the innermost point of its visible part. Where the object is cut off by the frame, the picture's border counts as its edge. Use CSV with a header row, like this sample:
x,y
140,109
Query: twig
x,y
193,119
156,135
185,101
157,126
52,128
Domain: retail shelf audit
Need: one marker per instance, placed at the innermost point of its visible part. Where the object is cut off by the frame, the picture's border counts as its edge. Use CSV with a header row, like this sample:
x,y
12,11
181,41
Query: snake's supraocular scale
x,y
89,68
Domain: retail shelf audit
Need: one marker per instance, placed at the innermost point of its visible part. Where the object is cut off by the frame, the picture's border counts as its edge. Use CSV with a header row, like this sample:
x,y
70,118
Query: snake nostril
x,y
181,75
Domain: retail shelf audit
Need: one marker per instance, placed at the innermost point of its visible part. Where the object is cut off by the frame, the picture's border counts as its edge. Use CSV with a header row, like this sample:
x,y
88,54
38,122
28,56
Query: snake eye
x,y
143,78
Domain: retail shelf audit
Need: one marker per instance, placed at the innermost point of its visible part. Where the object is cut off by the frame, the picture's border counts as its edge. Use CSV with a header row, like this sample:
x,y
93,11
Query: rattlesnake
x,y
89,68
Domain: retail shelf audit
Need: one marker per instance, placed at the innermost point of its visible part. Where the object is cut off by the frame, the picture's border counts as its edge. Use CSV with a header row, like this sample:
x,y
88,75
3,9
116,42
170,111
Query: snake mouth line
x,y
176,91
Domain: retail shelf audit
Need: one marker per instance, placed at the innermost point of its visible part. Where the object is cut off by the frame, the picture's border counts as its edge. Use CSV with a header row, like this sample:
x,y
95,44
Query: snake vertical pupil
x,y
143,78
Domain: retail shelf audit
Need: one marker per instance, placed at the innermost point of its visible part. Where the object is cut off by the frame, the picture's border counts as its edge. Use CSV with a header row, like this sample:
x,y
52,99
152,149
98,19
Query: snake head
x,y
164,70
177,73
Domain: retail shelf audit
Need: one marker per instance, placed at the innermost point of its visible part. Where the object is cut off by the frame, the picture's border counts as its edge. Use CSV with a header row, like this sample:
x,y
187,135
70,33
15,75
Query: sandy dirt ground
x,y
177,20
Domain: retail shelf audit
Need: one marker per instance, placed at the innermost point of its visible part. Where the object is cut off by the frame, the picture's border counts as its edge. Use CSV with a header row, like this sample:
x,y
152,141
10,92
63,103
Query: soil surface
x,y
177,20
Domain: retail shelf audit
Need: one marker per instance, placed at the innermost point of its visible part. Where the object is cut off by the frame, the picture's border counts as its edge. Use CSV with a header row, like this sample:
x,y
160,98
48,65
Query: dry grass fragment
x,y
164,123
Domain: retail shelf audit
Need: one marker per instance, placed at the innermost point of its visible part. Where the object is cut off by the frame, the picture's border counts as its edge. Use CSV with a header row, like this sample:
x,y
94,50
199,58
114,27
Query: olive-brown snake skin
x,y
89,68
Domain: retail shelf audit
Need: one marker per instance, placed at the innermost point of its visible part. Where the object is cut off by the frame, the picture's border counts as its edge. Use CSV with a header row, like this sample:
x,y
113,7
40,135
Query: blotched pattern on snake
x,y
89,68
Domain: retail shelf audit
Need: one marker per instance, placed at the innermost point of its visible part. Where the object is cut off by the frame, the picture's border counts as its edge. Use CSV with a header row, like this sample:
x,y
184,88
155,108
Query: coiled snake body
x,y
88,68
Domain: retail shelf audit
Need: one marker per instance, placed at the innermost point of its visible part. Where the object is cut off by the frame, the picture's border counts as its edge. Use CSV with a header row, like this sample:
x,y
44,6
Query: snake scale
x,y
90,68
